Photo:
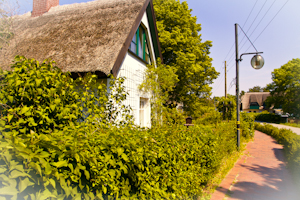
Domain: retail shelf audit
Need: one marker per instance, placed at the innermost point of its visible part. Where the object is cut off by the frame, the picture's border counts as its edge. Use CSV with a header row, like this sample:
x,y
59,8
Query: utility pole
x,y
237,61
225,80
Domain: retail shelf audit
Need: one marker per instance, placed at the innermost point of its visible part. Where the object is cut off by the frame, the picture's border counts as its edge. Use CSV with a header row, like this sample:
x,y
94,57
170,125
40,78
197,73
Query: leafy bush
x,y
290,142
247,125
111,163
212,117
268,117
42,99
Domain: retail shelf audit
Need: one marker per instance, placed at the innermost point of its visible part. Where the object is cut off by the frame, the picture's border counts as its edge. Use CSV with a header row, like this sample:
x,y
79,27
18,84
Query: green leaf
x,y
87,174
15,174
8,191
9,117
52,107
10,98
120,151
125,157
32,196
23,184
2,170
104,189
24,110
38,82
52,182
60,164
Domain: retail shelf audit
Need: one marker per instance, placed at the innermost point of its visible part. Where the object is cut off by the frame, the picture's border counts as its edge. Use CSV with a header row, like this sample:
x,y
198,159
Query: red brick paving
x,y
261,174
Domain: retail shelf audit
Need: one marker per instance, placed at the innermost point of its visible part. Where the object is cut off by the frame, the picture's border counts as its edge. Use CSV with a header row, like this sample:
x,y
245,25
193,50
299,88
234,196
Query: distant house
x,y
254,101
105,37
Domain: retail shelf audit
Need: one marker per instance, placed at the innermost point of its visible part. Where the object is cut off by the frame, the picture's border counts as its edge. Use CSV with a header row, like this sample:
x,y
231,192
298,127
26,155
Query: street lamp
x,y
257,62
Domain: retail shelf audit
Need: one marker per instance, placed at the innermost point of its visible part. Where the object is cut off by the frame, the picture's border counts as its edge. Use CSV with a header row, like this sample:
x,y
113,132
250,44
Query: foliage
x,y
159,80
184,51
292,125
227,106
290,142
268,117
258,89
285,88
200,107
247,125
163,162
40,98
212,117
89,157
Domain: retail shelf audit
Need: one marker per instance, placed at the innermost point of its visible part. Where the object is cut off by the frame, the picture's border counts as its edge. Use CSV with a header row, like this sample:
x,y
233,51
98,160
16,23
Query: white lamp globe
x,y
257,62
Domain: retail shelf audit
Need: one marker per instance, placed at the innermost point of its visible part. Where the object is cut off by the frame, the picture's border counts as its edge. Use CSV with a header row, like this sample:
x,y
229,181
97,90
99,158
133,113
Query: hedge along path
x,y
260,174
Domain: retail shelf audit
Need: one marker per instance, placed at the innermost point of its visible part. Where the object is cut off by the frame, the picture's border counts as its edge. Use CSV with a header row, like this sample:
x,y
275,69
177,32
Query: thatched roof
x,y
254,97
84,37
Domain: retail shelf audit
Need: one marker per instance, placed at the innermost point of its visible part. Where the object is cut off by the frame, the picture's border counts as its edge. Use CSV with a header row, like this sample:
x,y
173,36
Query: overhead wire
x,y
230,50
243,27
259,22
254,20
270,22
249,29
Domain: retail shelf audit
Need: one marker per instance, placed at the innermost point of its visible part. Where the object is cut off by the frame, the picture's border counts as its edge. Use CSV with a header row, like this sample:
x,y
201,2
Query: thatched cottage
x,y
254,101
116,37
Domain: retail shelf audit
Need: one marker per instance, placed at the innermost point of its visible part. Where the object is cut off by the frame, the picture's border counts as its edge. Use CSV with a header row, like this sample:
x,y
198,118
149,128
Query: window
x,y
139,44
254,105
142,113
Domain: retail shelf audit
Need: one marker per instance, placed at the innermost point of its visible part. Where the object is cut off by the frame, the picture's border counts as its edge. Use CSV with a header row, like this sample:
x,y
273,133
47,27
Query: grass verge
x,y
291,124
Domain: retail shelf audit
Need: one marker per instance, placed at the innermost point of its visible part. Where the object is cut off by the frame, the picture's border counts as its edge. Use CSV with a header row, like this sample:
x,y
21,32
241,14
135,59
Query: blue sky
x,y
278,37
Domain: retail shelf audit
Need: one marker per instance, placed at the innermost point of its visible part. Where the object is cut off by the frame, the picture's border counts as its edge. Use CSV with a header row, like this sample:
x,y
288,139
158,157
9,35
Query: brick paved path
x,y
260,174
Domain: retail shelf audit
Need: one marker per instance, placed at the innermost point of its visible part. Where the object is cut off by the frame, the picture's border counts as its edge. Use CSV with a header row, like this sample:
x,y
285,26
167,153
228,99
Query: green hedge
x,y
290,142
111,163
268,117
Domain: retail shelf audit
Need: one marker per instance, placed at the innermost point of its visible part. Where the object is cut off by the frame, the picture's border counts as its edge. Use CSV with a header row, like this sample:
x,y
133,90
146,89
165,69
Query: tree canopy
x,y
184,51
258,89
285,88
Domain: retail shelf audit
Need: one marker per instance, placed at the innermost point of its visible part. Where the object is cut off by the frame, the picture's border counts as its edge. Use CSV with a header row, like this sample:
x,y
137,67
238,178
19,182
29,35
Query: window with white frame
x,y
140,44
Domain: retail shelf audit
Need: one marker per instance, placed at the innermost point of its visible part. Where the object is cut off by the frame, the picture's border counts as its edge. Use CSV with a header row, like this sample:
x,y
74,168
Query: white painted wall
x,y
133,69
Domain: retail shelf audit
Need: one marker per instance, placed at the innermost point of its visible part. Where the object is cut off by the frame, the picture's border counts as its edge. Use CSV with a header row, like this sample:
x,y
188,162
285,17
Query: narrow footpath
x,y
261,174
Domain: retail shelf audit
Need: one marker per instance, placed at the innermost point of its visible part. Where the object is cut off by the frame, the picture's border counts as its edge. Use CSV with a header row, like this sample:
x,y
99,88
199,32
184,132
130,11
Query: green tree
x,y
159,80
7,10
184,51
285,88
227,106
258,89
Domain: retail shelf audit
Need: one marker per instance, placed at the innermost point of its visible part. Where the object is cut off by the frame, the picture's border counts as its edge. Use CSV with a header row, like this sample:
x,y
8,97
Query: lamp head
x,y
257,62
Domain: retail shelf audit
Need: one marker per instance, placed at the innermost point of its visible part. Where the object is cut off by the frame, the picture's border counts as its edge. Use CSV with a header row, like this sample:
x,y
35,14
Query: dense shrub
x,y
157,163
212,117
290,142
268,117
247,125
40,98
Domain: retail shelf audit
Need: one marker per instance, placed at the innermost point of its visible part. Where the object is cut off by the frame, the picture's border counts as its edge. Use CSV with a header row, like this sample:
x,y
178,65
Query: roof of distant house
x,y
80,37
254,97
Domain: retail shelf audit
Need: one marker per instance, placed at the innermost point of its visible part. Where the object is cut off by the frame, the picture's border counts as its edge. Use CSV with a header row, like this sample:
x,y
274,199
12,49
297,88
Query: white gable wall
x,y
133,69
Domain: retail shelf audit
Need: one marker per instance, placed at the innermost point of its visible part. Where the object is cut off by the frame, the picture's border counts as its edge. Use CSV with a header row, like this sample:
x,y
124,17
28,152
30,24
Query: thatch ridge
x,y
79,37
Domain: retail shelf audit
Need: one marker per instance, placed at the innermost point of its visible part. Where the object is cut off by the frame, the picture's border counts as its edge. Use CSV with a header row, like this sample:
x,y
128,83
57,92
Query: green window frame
x,y
139,44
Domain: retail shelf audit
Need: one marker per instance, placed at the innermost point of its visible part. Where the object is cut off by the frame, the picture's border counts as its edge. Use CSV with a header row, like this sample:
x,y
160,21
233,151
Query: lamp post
x,y
257,62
